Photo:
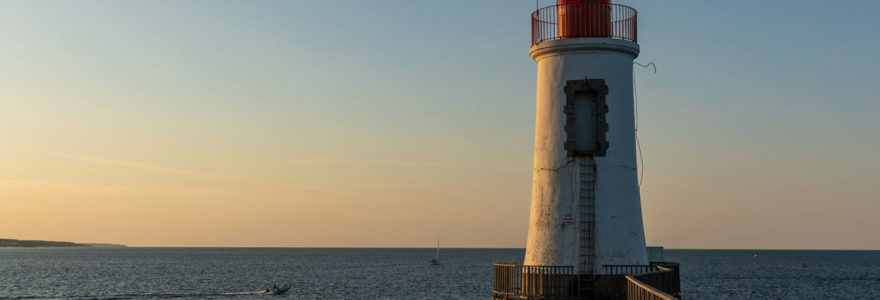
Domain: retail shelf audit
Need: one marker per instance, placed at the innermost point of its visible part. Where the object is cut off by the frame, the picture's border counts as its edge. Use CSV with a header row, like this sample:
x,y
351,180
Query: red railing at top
x,y
585,19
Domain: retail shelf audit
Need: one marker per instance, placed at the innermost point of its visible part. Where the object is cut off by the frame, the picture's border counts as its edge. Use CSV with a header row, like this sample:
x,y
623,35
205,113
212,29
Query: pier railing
x,y
637,290
613,284
514,280
508,279
665,278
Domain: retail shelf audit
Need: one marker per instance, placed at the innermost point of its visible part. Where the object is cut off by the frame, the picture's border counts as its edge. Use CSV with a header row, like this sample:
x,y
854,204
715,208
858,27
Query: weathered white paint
x,y
619,234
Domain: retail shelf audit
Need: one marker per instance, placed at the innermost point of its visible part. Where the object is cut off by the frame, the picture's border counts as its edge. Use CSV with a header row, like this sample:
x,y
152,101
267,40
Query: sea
x,y
349,273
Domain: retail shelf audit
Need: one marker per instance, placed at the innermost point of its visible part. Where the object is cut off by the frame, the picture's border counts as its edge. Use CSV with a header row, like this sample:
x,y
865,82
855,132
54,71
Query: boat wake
x,y
185,295
260,292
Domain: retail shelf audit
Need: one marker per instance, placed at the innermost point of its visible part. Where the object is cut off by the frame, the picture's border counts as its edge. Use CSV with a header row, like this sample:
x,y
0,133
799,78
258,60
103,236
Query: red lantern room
x,y
584,18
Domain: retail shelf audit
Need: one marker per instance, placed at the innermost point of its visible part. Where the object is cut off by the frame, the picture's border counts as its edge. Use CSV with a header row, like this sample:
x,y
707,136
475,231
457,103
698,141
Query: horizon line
x,y
500,248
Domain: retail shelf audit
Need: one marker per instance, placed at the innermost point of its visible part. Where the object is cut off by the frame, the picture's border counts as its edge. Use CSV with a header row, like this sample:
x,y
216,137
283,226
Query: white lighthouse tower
x,y
586,238
585,210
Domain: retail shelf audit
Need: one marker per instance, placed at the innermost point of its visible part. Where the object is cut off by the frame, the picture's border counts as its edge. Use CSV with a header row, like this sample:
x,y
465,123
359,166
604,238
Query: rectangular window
x,y
585,123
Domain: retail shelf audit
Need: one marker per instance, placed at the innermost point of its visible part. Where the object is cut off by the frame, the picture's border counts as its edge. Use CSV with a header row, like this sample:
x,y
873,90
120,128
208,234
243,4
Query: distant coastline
x,y
36,243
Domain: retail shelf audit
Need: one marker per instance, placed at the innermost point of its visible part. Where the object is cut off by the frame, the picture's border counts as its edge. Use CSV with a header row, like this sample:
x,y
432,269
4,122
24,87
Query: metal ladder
x,y
587,211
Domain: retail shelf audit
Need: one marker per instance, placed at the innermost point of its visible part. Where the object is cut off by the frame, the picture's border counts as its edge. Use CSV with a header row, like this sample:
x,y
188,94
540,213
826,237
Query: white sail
x,y
436,259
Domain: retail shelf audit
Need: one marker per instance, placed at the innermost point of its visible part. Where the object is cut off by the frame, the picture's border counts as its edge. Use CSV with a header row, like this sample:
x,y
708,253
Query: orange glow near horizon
x,y
380,124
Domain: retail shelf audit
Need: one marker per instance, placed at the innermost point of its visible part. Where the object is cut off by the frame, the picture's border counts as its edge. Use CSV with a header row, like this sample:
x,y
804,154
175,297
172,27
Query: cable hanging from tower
x,y
636,101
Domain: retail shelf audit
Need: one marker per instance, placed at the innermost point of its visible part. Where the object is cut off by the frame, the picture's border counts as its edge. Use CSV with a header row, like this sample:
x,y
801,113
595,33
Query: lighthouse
x,y
585,209
585,226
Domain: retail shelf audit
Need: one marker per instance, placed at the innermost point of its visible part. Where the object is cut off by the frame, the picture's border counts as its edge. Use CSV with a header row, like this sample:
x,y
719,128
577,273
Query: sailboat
x,y
436,260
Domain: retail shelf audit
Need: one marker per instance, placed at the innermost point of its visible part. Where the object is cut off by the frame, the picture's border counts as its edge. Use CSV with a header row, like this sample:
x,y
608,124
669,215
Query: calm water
x,y
199,273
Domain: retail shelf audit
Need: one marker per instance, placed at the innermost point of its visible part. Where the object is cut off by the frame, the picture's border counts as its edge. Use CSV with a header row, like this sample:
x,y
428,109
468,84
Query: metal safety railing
x,y
514,280
518,280
666,278
662,276
637,290
627,269
508,279
585,19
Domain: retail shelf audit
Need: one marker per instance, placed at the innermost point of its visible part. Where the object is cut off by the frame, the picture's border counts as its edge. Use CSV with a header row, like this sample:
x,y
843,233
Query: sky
x,y
397,123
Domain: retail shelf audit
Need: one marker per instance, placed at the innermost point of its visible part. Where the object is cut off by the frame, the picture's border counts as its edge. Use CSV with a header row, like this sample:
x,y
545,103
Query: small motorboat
x,y
278,290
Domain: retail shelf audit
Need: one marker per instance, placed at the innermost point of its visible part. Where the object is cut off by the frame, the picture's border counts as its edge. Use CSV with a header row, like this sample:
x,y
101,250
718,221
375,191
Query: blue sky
x,y
415,119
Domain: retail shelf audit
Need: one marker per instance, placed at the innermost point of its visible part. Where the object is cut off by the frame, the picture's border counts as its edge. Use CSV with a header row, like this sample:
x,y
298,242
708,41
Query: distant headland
x,y
35,243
